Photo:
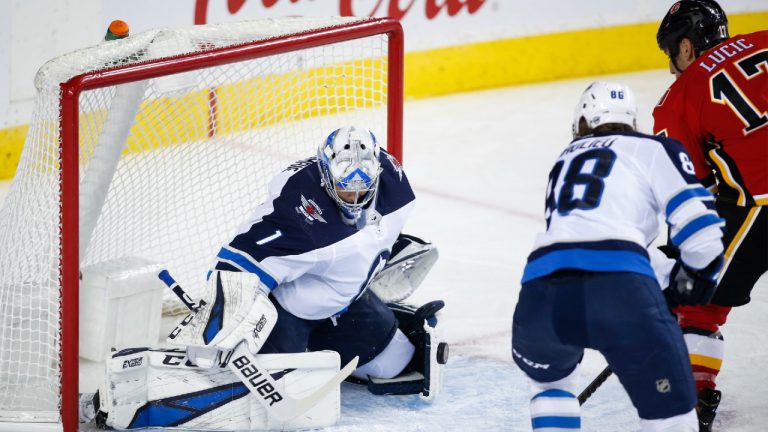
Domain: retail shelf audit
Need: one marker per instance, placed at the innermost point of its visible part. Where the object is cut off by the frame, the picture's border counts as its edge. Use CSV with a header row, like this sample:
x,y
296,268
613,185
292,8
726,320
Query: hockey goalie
x,y
312,282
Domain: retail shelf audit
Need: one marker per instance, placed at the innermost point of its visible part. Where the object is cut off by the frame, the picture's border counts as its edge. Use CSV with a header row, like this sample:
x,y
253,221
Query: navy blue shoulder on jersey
x,y
597,256
394,189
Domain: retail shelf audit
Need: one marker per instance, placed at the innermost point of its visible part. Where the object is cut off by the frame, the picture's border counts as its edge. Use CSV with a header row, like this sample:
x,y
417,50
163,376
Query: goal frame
x,y
69,151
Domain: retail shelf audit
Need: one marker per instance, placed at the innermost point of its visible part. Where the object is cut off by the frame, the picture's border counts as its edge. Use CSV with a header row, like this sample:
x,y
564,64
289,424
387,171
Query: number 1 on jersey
x,y
598,163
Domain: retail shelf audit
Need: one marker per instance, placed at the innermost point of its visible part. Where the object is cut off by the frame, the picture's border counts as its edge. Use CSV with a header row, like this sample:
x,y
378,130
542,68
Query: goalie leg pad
x,y
146,388
424,374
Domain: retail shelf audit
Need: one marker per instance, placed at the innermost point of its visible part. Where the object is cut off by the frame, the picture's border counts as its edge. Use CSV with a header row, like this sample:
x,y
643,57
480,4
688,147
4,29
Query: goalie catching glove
x,y
408,265
236,308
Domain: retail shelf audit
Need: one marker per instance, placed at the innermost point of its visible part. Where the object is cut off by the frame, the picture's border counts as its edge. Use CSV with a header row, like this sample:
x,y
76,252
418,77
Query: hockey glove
x,y
692,287
236,308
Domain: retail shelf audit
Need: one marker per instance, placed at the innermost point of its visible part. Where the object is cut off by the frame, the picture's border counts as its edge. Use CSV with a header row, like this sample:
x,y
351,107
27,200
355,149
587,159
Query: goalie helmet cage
x,y
159,146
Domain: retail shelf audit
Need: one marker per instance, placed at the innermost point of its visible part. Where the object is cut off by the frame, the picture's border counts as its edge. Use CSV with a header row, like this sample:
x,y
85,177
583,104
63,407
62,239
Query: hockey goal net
x,y
159,146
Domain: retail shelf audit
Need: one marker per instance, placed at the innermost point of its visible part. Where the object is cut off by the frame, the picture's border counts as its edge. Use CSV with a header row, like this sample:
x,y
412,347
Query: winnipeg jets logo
x,y
310,210
396,165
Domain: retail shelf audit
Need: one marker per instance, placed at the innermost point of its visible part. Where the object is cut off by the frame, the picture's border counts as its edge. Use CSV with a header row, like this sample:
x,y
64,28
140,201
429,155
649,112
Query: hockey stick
x,y
246,367
595,384
260,383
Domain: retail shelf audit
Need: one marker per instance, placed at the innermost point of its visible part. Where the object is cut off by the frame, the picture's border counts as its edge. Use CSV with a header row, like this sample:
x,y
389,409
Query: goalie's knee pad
x,y
424,373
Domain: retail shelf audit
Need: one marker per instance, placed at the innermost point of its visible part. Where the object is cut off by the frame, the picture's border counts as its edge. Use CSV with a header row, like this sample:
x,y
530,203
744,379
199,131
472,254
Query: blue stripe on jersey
x,y
683,196
248,266
589,260
554,393
695,226
556,422
592,245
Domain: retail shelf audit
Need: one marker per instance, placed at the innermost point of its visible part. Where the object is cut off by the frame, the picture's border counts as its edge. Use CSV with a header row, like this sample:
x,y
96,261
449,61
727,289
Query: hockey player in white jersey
x,y
589,283
312,248
295,278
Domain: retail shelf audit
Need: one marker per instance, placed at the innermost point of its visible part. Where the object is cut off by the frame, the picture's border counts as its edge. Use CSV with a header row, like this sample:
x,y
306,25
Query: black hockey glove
x,y
692,287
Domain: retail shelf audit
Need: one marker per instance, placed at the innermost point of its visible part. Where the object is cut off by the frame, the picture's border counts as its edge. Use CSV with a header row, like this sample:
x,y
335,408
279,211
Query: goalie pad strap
x,y
404,384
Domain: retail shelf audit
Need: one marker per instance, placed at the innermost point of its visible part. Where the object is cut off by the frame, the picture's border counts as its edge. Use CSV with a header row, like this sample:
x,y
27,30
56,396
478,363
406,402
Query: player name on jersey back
x,y
585,144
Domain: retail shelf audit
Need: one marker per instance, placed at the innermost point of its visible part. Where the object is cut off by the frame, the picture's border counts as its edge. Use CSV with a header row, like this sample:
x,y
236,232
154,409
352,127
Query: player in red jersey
x,y
718,109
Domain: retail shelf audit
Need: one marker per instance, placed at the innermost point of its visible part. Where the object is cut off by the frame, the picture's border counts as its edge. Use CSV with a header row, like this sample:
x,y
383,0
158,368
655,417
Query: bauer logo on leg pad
x,y
255,378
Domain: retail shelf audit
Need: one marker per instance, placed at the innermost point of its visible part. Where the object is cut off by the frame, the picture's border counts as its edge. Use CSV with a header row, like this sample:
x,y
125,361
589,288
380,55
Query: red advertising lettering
x,y
396,9
452,7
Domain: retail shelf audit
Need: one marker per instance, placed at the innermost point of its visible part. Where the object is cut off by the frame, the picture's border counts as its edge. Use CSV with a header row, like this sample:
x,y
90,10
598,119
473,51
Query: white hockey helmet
x,y
349,162
606,102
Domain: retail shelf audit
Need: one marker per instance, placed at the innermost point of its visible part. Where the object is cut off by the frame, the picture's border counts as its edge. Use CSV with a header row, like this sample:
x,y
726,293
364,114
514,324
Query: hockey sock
x,y
706,354
554,405
555,410
706,347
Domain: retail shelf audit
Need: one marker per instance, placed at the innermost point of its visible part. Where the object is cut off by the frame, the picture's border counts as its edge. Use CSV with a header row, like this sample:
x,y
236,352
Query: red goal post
x,y
313,86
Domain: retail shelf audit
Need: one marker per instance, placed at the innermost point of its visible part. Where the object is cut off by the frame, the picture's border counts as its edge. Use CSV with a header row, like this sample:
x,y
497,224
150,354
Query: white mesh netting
x,y
169,168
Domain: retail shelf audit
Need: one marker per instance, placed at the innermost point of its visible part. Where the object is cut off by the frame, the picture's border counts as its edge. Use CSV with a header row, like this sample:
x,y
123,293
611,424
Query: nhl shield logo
x,y
663,386
310,210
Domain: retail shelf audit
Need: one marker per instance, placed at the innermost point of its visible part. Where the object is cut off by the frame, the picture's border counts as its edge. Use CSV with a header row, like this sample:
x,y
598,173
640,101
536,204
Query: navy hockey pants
x,y
364,330
622,315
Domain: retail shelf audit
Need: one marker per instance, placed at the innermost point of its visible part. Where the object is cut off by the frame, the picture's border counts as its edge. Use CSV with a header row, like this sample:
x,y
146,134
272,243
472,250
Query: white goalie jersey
x,y
298,244
620,183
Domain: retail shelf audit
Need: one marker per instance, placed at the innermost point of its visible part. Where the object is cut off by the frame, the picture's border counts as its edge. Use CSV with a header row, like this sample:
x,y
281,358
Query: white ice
x,y
479,163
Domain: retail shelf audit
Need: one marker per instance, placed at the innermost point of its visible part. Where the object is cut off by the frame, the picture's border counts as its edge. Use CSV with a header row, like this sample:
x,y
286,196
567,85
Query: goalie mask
x,y
349,166
603,103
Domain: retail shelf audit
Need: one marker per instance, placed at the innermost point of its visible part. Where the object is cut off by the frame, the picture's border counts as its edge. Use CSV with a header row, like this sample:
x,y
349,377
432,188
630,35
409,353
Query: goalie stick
x,y
246,367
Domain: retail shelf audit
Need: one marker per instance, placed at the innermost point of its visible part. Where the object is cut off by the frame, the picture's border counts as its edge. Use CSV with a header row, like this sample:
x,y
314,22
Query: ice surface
x,y
479,163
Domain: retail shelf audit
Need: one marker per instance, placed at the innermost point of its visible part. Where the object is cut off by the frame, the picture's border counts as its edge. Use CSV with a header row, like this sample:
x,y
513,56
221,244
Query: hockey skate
x,y
706,409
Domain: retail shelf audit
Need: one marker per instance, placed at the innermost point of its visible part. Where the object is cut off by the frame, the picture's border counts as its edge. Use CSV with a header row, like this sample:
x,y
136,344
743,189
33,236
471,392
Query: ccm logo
x,y
132,362
257,381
